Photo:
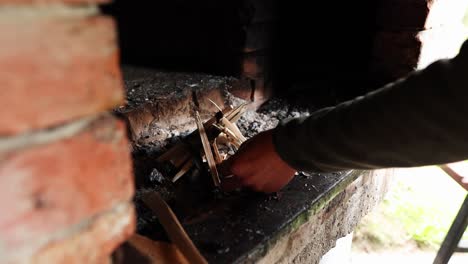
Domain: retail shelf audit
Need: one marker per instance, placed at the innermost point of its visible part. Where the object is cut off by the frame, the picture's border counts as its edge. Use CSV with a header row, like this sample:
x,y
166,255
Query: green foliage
x,y
418,209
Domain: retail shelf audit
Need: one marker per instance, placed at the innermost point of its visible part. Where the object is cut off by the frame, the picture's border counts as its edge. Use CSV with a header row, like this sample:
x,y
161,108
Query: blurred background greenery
x,y
417,212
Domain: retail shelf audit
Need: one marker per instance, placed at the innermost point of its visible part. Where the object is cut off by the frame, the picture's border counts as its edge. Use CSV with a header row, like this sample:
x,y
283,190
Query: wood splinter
x,y
174,229
230,136
185,168
236,113
207,150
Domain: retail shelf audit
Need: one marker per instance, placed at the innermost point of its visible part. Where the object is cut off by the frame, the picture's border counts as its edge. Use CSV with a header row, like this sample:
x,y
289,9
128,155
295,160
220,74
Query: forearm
x,y
417,121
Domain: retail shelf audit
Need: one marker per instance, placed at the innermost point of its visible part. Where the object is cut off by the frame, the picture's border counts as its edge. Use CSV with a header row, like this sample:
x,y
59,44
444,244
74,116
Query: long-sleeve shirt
x,y
418,120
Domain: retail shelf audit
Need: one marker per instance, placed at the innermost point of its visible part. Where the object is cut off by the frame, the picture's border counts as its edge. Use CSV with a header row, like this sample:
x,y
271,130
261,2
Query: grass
x,y
417,212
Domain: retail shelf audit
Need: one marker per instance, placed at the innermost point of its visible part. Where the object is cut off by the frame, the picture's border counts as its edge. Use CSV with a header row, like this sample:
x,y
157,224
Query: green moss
x,y
305,216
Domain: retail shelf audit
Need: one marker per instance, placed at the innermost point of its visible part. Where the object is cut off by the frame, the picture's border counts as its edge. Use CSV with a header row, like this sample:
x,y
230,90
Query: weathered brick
x,y
56,185
53,69
397,53
95,242
419,14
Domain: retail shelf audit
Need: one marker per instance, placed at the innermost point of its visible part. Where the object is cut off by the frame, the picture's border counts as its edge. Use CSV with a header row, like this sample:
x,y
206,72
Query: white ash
x,y
268,117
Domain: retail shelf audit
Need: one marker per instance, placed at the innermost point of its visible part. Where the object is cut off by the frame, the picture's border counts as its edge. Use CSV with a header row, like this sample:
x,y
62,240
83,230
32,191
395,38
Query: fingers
x,y
257,166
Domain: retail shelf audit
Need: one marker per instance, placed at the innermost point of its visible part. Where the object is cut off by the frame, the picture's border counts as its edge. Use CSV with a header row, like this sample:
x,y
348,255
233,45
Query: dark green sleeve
x,y
415,121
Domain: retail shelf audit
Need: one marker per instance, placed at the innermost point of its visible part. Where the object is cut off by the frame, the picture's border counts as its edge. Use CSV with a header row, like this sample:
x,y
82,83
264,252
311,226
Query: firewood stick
x,y
217,157
234,129
231,137
186,167
207,150
157,251
213,120
236,113
235,118
174,229
217,106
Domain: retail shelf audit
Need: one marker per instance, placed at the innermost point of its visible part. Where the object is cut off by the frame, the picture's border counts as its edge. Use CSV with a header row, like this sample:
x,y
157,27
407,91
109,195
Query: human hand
x,y
258,166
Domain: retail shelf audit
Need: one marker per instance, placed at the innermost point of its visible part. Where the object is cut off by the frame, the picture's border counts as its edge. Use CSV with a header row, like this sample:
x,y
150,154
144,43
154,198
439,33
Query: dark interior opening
x,y
315,53
180,35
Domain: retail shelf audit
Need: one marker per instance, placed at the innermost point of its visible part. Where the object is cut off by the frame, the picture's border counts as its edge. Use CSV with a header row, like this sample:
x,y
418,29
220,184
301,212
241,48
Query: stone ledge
x,y
333,217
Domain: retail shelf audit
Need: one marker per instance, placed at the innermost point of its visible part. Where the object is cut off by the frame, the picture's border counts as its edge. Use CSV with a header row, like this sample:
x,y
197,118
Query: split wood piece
x,y
232,138
172,152
157,252
236,113
234,129
174,229
236,117
185,168
222,139
214,119
217,156
207,150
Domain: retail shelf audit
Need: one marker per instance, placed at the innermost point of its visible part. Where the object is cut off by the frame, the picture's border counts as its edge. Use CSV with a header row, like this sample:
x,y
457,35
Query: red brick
x,y
95,243
47,188
56,69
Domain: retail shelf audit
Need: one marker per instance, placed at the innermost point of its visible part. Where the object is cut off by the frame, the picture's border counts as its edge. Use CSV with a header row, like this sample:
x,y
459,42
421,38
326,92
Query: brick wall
x,y
66,178
414,33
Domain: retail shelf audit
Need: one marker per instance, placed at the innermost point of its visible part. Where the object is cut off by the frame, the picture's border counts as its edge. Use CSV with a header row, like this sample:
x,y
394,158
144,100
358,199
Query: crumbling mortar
x,y
44,136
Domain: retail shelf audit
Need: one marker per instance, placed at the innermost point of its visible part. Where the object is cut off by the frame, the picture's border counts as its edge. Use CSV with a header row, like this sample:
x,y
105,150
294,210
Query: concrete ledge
x,y
328,221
